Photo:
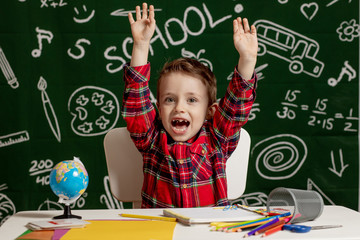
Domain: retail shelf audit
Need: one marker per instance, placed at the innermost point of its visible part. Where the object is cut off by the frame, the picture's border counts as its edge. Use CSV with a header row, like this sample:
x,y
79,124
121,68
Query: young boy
x,y
185,146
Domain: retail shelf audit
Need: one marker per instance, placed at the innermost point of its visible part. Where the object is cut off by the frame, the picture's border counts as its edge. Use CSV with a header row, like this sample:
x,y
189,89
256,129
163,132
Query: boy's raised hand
x,y
245,42
143,28
142,31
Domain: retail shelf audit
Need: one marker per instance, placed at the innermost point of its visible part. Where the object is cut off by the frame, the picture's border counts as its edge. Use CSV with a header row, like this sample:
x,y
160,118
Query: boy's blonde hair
x,y
193,68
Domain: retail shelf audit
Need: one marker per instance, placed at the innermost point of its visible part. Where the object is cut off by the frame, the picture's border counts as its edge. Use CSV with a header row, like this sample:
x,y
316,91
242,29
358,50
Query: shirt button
x,y
181,161
203,151
180,143
184,186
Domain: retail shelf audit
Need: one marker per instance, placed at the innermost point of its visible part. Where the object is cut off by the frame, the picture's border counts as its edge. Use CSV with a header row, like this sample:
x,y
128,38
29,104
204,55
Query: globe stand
x,y
67,213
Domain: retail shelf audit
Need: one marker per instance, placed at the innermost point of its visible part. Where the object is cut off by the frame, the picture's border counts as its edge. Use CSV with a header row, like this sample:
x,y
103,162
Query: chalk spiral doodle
x,y
280,156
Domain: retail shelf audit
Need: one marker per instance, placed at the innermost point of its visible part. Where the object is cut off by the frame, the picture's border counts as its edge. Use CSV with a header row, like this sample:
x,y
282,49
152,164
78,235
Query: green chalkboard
x,y
61,89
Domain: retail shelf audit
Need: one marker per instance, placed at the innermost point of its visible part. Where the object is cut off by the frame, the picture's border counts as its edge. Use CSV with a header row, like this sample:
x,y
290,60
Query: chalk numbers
x,y
287,109
325,123
320,107
321,104
41,169
286,113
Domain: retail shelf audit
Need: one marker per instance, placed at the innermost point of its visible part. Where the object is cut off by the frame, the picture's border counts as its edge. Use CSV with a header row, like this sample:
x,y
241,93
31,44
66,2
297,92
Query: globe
x,y
68,180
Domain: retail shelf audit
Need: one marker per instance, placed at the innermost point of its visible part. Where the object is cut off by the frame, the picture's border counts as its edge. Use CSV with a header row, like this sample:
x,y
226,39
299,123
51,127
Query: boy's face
x,y
183,105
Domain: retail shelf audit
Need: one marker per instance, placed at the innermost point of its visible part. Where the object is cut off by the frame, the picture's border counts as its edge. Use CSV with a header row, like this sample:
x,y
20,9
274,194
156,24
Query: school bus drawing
x,y
298,50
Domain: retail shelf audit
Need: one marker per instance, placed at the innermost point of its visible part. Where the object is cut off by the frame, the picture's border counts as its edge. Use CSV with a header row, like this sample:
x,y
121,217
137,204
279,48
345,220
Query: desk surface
x,y
331,215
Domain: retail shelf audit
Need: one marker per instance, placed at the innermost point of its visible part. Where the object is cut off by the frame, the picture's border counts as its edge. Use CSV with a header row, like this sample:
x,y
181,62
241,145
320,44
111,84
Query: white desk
x,y
332,215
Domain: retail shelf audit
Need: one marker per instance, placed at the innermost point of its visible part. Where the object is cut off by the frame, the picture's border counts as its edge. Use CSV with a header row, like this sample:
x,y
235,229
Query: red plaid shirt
x,y
192,173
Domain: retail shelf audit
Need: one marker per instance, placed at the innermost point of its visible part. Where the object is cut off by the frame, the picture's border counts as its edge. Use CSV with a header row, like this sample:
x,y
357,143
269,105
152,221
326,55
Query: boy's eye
x,y
169,100
192,100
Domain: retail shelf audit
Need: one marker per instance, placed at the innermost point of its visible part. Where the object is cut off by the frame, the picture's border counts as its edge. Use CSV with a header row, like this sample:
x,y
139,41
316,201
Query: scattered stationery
x,y
56,224
38,235
260,231
59,233
24,233
252,232
169,219
273,230
260,211
259,223
115,230
190,216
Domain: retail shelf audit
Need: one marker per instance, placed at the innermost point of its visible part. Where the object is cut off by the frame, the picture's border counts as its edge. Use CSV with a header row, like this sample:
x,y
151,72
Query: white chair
x,y
124,163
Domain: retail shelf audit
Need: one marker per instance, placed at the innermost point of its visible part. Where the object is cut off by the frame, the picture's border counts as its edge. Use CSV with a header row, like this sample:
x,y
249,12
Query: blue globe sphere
x,y
69,179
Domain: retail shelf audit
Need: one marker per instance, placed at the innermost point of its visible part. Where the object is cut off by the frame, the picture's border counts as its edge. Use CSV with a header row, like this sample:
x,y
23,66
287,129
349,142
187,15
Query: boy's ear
x,y
211,111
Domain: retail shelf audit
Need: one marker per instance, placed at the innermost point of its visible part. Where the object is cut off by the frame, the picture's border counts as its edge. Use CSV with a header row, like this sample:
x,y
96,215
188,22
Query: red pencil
x,y
273,230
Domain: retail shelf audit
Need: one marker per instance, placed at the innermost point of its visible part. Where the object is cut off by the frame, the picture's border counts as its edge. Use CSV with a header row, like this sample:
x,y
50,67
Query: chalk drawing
x,y
251,199
13,138
95,110
80,202
319,116
331,3
188,54
346,70
153,99
41,169
211,21
175,37
124,13
342,167
288,104
258,71
349,124
238,8
87,17
280,156
41,35
7,71
312,186
110,201
81,48
53,3
7,207
334,1
255,108
309,10
348,31
296,49
108,56
50,205
49,109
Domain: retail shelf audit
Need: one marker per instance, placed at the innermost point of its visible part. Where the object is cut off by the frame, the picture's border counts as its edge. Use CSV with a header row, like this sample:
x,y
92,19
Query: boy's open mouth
x,y
180,125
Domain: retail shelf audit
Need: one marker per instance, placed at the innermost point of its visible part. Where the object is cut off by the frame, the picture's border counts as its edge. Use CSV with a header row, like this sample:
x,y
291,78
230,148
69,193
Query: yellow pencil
x,y
169,219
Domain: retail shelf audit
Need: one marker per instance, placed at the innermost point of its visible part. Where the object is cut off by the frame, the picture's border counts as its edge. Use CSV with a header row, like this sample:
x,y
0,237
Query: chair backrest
x,y
124,163
237,166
